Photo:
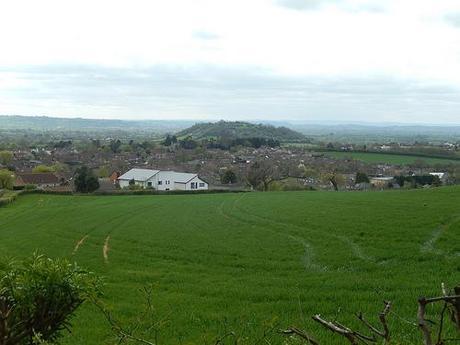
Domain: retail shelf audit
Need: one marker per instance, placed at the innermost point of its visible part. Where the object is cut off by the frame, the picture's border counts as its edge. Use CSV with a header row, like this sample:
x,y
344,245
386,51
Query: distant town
x,y
222,155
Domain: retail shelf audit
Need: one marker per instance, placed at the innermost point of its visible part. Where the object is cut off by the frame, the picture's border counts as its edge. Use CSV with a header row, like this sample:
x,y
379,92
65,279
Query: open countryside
x,y
247,262
392,158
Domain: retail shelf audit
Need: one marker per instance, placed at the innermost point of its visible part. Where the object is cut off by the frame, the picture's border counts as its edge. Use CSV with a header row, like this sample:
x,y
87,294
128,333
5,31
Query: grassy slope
x,y
244,259
390,158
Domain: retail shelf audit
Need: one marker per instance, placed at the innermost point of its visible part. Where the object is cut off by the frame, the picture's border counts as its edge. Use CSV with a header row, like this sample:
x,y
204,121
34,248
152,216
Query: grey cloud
x,y
231,93
453,19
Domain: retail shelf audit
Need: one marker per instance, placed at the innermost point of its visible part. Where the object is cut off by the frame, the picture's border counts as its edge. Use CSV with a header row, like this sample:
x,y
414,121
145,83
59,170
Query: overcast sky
x,y
313,60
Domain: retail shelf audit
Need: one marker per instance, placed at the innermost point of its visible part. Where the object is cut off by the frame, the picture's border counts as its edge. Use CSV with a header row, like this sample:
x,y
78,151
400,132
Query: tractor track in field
x,y
92,230
105,249
308,257
429,246
112,222
79,243
354,248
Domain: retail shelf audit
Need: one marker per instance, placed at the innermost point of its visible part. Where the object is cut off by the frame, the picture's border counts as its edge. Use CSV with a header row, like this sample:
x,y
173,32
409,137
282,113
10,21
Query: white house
x,y
162,180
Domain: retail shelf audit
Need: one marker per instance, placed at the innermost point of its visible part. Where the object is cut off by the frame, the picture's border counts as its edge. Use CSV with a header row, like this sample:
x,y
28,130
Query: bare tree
x,y
260,173
451,305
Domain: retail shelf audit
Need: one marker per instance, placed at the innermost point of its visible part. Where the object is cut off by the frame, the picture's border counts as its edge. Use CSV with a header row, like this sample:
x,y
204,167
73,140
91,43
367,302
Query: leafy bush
x,y
417,180
135,187
7,198
6,157
361,178
6,179
30,187
228,176
43,169
39,296
85,180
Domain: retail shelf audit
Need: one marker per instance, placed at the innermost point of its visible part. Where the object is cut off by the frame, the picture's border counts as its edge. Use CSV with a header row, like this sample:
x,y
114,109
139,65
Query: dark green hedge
x,y
137,192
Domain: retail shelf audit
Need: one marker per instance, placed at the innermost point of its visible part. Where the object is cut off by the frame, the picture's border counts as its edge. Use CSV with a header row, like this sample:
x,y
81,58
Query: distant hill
x,y
45,123
240,130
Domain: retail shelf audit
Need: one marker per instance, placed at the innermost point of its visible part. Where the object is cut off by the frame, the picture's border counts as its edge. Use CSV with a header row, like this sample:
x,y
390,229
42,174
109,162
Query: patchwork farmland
x,y
250,262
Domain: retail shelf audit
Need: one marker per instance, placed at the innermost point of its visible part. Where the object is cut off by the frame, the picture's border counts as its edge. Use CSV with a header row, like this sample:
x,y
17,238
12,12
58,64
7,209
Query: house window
x,y
160,183
168,182
201,185
193,185
149,184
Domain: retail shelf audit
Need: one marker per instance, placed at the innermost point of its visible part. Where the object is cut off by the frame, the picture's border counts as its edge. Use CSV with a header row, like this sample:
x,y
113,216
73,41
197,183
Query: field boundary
x,y
138,192
396,153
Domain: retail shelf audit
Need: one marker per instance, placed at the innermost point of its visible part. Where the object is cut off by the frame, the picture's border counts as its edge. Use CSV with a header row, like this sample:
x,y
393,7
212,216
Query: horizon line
x,y
326,122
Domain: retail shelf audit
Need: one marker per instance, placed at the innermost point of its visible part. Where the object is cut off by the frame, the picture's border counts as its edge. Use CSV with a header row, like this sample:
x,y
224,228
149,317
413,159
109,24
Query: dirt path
x,y
79,243
105,249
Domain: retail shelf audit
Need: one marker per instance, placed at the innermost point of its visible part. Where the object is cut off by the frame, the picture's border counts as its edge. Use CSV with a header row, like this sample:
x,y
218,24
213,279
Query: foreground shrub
x,y
7,197
38,298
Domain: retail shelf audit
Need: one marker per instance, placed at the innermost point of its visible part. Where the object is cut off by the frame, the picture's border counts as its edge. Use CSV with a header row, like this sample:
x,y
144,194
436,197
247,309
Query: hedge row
x,y
169,192
136,192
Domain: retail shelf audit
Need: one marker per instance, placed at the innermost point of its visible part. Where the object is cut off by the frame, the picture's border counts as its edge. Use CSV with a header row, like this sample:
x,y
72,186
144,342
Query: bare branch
x,y
352,336
441,324
301,334
422,302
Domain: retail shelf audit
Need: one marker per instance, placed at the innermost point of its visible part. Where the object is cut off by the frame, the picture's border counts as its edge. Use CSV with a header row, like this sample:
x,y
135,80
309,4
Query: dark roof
x,y
36,178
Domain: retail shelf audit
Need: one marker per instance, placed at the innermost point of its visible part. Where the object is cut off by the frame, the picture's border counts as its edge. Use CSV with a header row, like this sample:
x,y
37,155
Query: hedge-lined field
x,y
247,262
390,158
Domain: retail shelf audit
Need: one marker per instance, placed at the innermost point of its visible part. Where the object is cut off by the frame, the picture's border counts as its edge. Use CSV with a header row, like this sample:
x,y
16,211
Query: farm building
x,y
162,180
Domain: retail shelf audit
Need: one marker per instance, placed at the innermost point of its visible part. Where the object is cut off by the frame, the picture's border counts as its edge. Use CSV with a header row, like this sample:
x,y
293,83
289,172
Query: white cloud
x,y
342,40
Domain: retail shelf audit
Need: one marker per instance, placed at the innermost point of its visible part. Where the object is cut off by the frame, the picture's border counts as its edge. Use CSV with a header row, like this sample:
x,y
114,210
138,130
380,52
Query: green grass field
x,y
371,157
248,262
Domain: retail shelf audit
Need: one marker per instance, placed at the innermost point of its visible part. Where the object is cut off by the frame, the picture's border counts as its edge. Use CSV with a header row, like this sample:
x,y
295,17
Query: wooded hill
x,y
240,130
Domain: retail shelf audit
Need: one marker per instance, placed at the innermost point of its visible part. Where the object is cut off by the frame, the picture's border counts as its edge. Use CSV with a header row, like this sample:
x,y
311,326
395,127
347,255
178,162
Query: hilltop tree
x,y
85,180
169,140
188,143
6,179
260,175
6,157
